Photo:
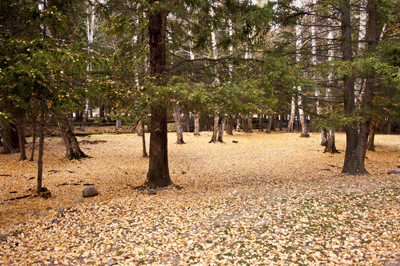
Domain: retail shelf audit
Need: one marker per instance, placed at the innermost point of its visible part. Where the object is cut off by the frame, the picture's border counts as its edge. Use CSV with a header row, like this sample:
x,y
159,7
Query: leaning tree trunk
x,y
158,174
71,143
221,131
179,129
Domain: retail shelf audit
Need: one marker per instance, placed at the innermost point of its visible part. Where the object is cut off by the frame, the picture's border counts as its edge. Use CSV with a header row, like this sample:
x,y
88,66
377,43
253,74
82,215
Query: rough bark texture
x,y
269,127
158,174
71,143
140,130
179,129
144,145
304,126
281,122
330,144
261,122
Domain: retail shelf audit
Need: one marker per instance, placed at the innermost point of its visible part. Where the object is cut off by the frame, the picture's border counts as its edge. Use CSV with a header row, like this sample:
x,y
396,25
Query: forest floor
x,y
270,199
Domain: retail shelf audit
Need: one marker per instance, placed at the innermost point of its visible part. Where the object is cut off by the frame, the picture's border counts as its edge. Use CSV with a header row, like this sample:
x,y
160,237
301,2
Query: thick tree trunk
x,y
221,131
273,120
269,126
281,118
330,144
196,124
304,126
158,174
179,129
215,129
324,140
10,137
238,125
71,143
356,141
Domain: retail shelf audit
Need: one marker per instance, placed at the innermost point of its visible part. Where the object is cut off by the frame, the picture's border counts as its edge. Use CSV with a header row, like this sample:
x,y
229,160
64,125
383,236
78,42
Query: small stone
x,y
110,263
78,200
149,192
235,141
60,212
134,194
55,221
90,192
44,215
140,188
3,237
183,172
394,171
48,208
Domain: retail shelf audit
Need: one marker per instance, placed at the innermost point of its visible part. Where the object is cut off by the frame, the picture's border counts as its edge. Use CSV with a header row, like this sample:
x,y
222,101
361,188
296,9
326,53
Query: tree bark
x,y
196,124
292,114
140,129
281,122
269,127
21,139
371,139
250,123
221,131
215,129
230,126
158,174
33,141
40,157
10,137
261,122
324,140
71,143
179,129
144,145
330,144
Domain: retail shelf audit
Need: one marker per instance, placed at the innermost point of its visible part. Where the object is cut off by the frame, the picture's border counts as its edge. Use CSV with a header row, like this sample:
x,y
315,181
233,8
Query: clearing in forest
x,y
270,199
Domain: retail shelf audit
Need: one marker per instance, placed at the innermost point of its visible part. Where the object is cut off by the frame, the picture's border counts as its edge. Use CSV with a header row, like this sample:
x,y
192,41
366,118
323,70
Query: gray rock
x,y
48,208
61,212
394,171
149,192
44,215
90,192
235,141
3,238
55,221
112,262
134,195
78,200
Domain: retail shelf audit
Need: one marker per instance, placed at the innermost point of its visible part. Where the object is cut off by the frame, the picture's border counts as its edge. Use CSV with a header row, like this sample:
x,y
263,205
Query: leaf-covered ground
x,y
270,199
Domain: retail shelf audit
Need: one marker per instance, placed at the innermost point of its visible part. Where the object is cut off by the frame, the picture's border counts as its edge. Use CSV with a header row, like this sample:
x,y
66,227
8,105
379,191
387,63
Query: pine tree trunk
x,y
331,144
324,140
221,131
71,143
33,141
158,174
196,124
21,141
281,118
261,122
230,126
179,129
10,137
40,157
250,123
304,126
145,155
371,139
140,129
215,130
